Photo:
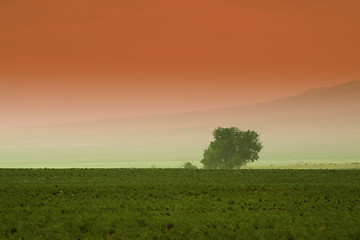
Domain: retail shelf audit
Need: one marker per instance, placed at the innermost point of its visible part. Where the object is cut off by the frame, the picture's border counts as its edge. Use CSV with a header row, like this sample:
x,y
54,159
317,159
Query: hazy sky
x,y
87,59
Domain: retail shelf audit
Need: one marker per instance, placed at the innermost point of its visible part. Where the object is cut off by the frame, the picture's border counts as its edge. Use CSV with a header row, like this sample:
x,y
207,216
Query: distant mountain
x,y
318,125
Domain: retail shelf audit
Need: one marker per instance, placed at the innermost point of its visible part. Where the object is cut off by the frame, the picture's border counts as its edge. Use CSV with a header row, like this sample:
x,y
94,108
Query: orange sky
x,y
85,59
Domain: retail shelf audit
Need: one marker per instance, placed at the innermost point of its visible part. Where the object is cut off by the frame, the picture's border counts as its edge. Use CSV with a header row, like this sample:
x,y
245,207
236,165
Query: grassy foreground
x,y
179,204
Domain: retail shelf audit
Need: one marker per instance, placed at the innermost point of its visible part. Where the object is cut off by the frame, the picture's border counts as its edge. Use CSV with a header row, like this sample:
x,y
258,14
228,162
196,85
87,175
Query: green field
x,y
179,204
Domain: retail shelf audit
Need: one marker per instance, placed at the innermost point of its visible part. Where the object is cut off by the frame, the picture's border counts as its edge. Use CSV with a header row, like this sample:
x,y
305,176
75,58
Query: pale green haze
x,y
318,126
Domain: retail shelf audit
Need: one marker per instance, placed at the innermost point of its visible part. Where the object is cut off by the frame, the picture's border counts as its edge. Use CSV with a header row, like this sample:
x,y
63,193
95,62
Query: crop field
x,y
179,204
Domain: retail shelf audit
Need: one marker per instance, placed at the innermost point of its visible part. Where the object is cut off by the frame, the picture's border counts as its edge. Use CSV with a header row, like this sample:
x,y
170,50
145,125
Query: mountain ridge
x,y
348,85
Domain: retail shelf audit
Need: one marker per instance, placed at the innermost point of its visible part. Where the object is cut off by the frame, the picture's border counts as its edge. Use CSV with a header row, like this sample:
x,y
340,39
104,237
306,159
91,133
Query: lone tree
x,y
231,148
189,165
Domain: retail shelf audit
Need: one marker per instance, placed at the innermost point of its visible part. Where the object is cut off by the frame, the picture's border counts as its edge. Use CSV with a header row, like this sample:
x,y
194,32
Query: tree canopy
x,y
231,148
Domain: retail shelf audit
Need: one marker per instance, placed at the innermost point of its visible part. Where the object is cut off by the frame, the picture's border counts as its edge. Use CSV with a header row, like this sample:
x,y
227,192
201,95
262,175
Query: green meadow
x,y
179,204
